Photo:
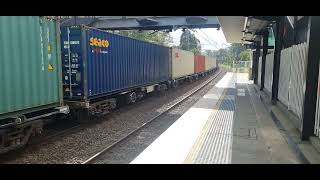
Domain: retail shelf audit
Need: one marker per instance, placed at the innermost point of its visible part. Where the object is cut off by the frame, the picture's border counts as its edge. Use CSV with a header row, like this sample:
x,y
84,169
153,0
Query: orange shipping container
x,y
199,63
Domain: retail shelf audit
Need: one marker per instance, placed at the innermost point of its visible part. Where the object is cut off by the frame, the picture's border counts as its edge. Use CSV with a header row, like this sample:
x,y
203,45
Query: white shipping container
x,y
210,63
182,63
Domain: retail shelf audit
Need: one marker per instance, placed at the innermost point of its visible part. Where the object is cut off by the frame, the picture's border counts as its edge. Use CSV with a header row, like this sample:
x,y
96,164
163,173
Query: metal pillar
x,y
254,65
310,100
277,55
257,56
255,62
264,56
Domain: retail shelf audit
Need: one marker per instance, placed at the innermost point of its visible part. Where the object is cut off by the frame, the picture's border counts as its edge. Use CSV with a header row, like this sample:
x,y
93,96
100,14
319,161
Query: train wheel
x,y
175,84
131,97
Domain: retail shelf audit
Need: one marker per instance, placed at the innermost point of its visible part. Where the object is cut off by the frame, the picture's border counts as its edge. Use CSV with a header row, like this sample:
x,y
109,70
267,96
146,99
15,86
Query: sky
x,y
210,38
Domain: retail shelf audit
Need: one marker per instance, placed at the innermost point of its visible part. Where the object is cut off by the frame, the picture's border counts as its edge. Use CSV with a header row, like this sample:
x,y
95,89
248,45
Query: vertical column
x,y
310,100
295,30
264,56
256,56
254,65
277,55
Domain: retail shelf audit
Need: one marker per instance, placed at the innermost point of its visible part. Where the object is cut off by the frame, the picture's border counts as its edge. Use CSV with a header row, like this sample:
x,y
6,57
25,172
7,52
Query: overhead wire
x,y
210,40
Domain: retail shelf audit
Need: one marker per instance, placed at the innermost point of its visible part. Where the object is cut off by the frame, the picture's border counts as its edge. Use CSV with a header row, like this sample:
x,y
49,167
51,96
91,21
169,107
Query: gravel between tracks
x,y
130,148
77,147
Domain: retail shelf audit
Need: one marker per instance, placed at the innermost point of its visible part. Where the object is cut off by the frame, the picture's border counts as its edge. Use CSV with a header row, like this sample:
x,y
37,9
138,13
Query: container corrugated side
x,y
210,63
199,63
29,63
182,63
108,63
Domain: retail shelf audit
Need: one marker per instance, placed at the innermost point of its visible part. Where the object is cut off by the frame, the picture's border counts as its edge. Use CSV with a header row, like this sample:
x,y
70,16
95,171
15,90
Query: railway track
x,y
96,156
56,134
58,131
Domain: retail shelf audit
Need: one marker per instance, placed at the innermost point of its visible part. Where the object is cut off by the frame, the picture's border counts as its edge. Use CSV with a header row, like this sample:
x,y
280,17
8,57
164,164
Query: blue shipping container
x,y
103,63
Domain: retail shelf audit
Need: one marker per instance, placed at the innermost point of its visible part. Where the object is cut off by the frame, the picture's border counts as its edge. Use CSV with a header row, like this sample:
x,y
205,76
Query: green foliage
x,y
159,37
244,56
236,52
210,53
189,42
235,49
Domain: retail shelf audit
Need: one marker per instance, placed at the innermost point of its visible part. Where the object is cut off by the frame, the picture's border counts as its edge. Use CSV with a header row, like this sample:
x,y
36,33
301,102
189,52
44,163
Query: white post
x,y
233,65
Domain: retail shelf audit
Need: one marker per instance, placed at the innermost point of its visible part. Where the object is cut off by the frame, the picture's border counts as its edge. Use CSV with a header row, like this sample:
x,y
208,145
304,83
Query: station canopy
x,y
244,29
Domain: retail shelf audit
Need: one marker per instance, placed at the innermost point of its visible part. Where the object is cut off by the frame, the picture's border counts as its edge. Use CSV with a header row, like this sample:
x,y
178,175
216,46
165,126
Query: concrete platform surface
x,y
229,125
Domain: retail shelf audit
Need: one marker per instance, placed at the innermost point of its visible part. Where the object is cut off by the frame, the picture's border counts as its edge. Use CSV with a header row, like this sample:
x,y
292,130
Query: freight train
x,y
47,70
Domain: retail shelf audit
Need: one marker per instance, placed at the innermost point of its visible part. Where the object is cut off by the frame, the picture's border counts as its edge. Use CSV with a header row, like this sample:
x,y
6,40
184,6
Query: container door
x,y
29,68
49,60
72,62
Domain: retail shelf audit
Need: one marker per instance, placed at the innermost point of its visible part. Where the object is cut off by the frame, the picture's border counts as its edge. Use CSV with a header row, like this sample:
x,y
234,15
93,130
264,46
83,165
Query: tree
x,y
235,50
157,37
189,42
244,56
223,55
210,53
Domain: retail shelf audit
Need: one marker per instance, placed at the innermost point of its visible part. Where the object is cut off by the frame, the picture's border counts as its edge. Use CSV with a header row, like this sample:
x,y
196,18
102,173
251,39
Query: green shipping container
x,y
30,70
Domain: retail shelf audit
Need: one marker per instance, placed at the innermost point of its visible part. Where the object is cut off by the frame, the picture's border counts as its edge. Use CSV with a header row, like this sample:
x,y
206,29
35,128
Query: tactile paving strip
x,y
214,144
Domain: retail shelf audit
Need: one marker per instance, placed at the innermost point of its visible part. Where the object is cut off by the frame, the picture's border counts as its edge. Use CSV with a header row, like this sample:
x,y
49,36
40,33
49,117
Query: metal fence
x,y
242,66
269,72
238,67
292,78
284,76
259,71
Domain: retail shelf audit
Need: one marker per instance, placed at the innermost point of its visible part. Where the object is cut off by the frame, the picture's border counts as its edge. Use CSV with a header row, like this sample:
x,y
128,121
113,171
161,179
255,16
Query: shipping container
x,y
199,63
29,65
30,78
102,63
210,63
182,63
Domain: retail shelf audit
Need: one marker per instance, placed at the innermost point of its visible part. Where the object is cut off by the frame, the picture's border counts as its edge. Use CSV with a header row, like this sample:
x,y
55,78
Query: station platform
x,y
228,125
